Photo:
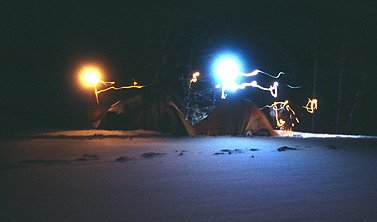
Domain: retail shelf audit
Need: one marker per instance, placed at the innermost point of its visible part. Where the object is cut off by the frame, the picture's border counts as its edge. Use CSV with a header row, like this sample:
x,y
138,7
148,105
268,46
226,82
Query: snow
x,y
326,135
95,175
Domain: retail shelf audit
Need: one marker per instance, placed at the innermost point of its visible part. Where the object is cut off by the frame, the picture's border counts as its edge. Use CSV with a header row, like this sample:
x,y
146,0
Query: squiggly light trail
x,y
118,88
194,78
280,122
273,89
232,86
257,71
311,105
90,76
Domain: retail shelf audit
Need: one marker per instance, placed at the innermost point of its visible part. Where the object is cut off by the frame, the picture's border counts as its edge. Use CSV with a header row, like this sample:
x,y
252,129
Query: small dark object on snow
x,y
181,153
152,154
228,151
331,147
231,151
252,156
284,148
88,157
253,149
123,159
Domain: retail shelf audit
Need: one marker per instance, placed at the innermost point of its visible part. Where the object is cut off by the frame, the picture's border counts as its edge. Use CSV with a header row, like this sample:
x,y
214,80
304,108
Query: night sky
x,y
43,44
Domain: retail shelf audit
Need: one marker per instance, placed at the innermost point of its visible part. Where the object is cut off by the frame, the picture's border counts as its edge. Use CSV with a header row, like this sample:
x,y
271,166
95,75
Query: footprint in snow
x,y
285,148
151,154
88,157
123,159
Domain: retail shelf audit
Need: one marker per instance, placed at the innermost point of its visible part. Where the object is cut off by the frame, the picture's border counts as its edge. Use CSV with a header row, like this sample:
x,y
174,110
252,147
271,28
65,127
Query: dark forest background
x,y
327,47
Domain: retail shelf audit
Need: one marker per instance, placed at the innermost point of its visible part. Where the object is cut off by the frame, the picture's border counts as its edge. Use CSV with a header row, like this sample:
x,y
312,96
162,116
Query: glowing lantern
x,y
90,76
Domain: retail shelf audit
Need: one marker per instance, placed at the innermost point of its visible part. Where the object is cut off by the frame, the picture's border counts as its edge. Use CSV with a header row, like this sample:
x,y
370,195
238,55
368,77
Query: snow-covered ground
x,y
91,175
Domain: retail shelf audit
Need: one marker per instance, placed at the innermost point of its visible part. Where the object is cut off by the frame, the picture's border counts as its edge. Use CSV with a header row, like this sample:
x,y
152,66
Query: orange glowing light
x,y
90,76
280,122
194,78
288,132
311,105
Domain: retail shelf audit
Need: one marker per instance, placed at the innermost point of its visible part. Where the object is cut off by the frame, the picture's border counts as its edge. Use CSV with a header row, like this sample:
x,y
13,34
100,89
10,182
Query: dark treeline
x,y
328,48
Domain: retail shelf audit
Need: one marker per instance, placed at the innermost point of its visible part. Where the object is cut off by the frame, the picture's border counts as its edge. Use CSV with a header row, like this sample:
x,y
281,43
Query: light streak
x,y
294,87
110,86
311,105
256,72
272,89
91,77
194,78
118,88
280,122
229,82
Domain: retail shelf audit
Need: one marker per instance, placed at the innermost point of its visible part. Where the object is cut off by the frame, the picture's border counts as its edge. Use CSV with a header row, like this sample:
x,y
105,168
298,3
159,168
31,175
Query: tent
x,y
231,117
236,117
143,112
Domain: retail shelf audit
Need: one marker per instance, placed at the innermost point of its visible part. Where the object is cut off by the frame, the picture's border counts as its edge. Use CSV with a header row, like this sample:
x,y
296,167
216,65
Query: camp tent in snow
x,y
231,117
235,117
143,112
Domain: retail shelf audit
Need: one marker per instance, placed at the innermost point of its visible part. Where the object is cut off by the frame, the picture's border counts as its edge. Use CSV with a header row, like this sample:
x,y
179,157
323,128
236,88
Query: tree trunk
x,y
340,84
315,72
360,91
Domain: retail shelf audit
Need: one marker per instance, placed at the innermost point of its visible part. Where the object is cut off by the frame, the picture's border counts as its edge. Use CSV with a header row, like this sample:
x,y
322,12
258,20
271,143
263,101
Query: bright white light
x,y
227,70
230,76
91,78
